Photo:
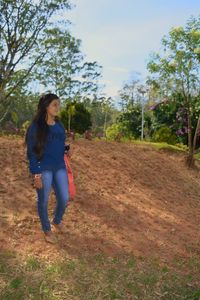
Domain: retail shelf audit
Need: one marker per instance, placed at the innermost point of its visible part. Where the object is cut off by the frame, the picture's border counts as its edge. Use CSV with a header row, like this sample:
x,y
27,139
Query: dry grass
x,y
96,278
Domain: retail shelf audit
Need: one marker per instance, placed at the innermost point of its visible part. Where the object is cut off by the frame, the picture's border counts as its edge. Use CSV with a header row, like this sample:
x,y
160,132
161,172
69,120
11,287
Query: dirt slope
x,y
130,199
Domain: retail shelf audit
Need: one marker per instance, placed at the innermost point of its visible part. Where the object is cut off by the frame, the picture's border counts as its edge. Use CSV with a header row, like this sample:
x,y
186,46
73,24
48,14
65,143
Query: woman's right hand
x,y
37,182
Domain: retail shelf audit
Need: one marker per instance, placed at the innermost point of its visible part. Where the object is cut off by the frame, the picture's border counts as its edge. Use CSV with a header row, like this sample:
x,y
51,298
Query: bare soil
x,y
131,199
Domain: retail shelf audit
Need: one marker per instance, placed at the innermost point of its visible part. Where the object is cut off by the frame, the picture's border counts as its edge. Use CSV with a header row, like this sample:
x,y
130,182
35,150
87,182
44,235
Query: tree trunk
x,y
4,113
105,124
197,132
190,157
69,122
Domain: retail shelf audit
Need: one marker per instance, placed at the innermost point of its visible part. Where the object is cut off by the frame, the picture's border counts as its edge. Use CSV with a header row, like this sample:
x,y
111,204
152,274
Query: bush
x,y
166,135
118,132
78,136
112,131
115,132
24,127
80,117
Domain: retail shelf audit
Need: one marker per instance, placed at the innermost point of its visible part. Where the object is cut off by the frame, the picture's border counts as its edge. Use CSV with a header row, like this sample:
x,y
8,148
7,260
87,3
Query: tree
x,y
177,70
71,110
131,122
129,94
106,109
102,111
133,104
23,102
21,24
80,120
63,68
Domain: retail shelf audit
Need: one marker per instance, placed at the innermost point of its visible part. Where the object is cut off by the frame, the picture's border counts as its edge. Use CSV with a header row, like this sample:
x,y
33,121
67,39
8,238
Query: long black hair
x,y
40,118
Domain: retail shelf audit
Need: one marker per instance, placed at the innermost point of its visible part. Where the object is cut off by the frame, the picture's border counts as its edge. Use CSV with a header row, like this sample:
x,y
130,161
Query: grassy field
x,y
98,277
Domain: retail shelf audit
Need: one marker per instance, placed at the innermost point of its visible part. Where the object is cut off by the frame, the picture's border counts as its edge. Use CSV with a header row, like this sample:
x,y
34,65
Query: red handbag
x,y
71,185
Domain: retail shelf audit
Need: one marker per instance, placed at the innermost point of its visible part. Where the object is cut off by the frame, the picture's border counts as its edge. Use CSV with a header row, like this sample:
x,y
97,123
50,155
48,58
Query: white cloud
x,y
112,90
118,69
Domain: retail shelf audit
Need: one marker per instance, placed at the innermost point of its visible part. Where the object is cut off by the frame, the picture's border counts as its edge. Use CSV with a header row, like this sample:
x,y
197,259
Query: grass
x,y
197,156
163,146
156,145
178,148
97,278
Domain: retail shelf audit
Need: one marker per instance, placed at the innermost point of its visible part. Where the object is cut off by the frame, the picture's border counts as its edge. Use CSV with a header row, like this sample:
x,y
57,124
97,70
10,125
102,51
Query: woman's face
x,y
53,107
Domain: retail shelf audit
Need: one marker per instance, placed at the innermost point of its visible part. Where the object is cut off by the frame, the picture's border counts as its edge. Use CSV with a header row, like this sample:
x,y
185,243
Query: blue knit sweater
x,y
53,157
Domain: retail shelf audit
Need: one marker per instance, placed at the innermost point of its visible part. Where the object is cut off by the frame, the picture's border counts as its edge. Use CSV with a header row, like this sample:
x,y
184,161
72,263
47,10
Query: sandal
x,y
50,237
60,227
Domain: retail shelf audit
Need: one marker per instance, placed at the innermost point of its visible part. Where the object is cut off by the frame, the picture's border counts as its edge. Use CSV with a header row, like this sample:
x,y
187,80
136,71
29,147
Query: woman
x,y
45,140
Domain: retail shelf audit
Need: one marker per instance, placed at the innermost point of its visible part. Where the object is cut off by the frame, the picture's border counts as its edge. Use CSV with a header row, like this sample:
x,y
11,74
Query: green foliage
x,y
63,67
173,114
169,114
129,95
80,120
113,131
78,136
22,23
133,100
24,127
103,113
131,121
177,69
164,134
14,118
164,114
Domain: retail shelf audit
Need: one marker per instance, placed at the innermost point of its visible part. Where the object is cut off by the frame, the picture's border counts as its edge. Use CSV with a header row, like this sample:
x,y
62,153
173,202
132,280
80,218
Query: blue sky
x,y
120,35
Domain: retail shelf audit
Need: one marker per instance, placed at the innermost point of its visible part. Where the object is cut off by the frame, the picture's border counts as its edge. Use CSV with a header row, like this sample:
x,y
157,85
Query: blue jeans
x,y
59,181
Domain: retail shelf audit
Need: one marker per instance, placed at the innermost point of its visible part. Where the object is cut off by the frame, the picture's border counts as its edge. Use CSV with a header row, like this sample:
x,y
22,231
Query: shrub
x,y
164,134
24,127
112,131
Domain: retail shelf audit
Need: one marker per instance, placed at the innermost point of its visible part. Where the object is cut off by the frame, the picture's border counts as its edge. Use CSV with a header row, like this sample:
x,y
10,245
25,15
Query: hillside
x,y
130,199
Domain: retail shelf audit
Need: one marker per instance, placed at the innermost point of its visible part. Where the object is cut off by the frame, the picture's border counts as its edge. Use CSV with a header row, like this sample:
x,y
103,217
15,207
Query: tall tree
x,y
63,67
133,98
71,110
129,95
178,70
107,106
21,24
103,112
80,119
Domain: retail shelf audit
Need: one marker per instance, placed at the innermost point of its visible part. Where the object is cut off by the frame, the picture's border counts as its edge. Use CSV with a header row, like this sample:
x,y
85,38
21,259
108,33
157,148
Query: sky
x,y
121,34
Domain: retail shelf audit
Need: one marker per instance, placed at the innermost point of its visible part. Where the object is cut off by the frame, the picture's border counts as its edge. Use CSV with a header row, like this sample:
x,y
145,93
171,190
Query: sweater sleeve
x,y
34,163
